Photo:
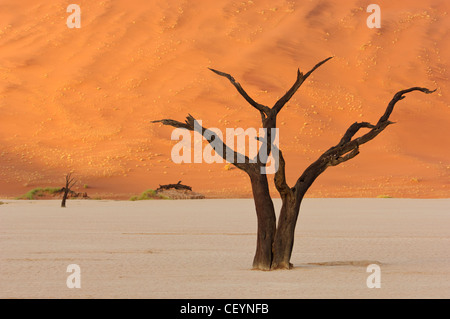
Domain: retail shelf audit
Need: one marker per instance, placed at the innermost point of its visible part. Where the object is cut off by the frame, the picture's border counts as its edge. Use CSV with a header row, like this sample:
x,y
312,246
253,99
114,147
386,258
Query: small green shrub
x,y
39,192
148,194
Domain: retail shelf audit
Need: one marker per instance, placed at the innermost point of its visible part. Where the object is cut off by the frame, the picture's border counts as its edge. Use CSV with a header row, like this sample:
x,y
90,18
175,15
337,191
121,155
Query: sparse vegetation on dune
x,y
148,194
40,192
50,193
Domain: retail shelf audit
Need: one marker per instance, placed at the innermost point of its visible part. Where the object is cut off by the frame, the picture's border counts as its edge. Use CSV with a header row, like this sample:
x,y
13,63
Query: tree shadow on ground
x,y
354,263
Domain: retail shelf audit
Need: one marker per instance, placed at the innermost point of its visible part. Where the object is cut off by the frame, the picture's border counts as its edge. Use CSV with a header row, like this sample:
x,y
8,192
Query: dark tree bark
x,y
265,213
275,242
70,182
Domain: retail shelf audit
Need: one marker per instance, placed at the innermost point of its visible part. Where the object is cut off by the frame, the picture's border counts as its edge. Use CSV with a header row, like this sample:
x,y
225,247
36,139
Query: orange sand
x,y
82,99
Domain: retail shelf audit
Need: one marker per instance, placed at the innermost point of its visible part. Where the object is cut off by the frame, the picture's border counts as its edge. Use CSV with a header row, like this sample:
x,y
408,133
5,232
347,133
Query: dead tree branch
x,y
264,110
300,79
239,160
348,148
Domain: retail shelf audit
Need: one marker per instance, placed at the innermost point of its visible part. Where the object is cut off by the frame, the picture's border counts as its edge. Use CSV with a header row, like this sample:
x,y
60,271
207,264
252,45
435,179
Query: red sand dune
x,y
82,99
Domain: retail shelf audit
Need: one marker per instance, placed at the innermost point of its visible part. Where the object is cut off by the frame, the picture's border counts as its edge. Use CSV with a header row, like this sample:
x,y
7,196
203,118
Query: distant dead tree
x,y
177,186
70,182
275,241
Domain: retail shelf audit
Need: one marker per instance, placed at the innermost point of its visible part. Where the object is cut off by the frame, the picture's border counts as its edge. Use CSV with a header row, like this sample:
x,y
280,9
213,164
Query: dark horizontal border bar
x,y
215,308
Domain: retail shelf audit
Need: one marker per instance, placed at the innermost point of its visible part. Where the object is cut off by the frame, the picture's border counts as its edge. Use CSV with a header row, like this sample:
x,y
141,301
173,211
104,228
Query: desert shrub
x,y
384,196
39,192
148,194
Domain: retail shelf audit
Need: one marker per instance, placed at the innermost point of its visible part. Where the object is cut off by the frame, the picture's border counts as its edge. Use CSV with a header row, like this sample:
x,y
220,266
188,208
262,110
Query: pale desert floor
x,y
204,249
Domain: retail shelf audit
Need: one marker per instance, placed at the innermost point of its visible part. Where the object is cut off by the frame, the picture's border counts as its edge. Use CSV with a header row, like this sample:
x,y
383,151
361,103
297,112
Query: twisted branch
x,y
348,148
239,160
300,79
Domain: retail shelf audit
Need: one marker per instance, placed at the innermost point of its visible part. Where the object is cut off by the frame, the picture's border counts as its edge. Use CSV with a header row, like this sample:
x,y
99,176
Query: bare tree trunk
x,y
284,237
285,233
66,192
265,213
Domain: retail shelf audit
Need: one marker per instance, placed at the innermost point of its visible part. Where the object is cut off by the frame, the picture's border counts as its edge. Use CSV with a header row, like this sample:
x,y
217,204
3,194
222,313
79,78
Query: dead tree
x,y
70,182
275,241
174,186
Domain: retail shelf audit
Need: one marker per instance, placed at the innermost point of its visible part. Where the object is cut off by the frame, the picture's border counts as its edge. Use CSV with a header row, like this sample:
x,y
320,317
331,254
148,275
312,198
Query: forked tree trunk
x,y
291,202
